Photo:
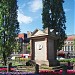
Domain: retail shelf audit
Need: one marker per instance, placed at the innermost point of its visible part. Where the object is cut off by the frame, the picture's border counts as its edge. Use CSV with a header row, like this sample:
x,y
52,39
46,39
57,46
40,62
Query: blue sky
x,y
29,15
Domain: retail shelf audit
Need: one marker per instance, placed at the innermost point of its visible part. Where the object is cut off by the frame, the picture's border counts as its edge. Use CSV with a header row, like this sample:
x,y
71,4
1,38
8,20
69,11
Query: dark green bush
x,y
72,60
30,63
64,60
67,60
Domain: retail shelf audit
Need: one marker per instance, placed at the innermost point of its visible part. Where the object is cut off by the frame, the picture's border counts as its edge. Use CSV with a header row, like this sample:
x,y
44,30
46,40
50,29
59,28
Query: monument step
x,y
25,69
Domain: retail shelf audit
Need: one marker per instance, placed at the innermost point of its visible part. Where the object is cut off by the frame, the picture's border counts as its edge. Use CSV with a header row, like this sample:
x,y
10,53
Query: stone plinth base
x,y
48,63
54,63
41,62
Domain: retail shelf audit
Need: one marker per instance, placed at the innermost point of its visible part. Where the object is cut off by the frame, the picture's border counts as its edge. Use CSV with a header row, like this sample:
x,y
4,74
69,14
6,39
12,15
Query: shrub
x,y
64,60
67,60
30,63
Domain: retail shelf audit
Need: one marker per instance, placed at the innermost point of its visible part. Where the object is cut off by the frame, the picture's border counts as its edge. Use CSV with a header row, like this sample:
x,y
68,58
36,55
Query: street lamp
x,y
23,47
20,41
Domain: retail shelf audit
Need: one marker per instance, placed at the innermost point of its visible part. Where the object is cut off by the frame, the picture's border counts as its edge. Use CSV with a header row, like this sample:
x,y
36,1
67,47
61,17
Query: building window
x,y
71,42
65,48
68,48
68,42
71,48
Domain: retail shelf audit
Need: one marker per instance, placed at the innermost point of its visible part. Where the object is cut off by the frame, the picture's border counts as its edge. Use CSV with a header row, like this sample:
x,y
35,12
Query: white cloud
x,y
36,5
66,10
24,19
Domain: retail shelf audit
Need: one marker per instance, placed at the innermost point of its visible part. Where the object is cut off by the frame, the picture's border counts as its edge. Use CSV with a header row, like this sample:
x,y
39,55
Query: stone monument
x,y
43,46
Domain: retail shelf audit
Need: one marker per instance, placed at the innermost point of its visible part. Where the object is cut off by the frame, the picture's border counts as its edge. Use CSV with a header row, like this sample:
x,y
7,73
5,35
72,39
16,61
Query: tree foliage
x,y
28,48
9,27
53,17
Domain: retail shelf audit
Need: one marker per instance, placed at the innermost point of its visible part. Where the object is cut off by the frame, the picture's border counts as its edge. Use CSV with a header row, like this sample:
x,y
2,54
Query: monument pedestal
x,y
43,47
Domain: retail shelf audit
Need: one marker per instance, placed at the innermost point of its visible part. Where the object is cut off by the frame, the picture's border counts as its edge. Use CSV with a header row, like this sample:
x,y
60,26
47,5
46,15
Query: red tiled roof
x,y
70,38
21,36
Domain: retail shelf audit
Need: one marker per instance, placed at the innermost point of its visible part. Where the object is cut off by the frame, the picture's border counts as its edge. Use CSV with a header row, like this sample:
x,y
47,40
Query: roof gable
x,y
38,32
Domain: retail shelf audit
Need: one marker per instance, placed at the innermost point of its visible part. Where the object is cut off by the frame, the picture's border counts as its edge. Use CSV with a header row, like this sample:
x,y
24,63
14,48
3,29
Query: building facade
x,y
69,46
22,41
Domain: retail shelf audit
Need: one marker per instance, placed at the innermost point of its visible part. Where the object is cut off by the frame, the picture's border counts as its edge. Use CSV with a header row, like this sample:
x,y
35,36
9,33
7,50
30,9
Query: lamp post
x,y
20,41
24,48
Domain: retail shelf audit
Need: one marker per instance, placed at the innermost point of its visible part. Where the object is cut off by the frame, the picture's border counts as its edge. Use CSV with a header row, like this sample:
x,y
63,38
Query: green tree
x,y
53,17
9,27
28,48
18,46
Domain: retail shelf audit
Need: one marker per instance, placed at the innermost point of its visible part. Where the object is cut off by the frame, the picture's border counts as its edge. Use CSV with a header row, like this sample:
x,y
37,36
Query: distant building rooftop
x,y
70,38
22,35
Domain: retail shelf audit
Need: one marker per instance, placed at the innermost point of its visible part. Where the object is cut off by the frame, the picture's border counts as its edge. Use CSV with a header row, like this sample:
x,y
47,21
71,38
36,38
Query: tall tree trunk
x,y
4,58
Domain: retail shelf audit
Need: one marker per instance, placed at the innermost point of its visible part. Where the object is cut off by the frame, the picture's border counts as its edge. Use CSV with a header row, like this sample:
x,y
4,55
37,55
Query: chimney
x,y
29,34
46,30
